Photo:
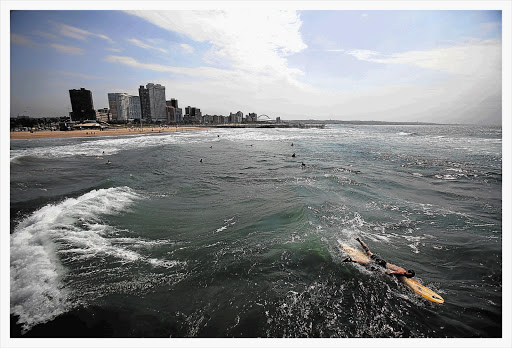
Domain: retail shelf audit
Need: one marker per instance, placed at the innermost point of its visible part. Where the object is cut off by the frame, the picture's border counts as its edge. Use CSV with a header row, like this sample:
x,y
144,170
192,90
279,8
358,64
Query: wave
x,y
71,226
96,147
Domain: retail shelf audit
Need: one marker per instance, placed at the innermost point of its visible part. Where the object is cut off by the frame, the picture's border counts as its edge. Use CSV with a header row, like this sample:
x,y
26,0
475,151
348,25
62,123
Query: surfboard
x,y
356,254
361,257
422,290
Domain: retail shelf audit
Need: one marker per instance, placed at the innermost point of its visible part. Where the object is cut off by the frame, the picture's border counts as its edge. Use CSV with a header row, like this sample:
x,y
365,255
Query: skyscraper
x,y
144,104
124,107
152,101
82,105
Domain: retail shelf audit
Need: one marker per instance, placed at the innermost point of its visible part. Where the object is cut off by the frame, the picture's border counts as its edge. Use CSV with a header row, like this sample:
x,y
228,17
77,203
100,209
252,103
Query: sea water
x,y
246,242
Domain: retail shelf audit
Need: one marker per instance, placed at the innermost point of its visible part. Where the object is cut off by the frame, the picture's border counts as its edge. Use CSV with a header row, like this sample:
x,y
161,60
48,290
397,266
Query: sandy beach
x,y
97,132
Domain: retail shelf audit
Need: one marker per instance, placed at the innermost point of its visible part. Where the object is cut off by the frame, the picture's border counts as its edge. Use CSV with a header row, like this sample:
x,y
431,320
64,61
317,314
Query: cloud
x,y
255,40
67,49
202,72
47,35
113,49
187,48
17,39
252,74
77,33
141,44
474,58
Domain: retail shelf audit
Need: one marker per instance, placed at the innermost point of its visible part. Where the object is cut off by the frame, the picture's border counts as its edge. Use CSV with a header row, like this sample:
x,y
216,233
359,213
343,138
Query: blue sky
x,y
414,65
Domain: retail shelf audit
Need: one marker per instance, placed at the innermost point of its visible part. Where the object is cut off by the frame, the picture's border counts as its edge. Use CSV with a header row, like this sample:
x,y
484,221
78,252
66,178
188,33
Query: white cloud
x,y
67,49
253,74
144,45
17,39
187,48
475,58
77,33
255,40
46,35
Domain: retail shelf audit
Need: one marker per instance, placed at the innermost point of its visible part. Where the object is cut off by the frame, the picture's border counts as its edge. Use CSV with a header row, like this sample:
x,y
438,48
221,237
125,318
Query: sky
x,y
441,66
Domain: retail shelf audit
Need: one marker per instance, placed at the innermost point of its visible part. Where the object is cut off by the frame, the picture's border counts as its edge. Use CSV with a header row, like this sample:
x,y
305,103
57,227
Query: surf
x,y
38,294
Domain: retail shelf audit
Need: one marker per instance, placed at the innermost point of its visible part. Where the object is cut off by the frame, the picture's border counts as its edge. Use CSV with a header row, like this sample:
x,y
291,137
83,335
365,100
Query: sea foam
x,y
37,292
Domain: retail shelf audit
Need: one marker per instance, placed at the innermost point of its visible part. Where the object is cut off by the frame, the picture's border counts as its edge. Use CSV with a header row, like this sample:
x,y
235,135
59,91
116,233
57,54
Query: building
x,y
82,105
252,118
179,115
124,107
171,114
236,117
174,113
103,115
152,102
219,119
134,108
192,115
145,108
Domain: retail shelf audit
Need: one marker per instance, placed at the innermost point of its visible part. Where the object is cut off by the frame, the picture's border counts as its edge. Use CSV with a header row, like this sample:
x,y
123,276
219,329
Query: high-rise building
x,y
144,104
152,101
112,104
82,105
124,107
134,108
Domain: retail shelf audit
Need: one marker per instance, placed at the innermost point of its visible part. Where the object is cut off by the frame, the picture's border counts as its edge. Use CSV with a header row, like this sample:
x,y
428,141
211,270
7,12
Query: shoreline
x,y
97,132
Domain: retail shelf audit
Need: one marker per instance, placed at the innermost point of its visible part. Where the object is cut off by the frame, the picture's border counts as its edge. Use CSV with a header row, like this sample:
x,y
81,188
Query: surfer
x,y
293,154
390,268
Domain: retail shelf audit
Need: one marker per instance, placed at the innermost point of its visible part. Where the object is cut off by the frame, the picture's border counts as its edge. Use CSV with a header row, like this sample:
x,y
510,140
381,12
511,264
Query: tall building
x,y
152,101
82,105
134,108
112,104
236,117
174,102
144,104
124,107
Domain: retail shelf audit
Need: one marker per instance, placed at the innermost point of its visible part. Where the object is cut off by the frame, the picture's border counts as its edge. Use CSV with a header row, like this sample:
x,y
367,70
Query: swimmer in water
x,y
389,268
293,154
108,162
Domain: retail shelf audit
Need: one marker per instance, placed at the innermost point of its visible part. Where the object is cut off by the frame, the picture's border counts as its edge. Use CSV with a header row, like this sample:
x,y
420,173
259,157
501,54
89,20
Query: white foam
x,y
70,227
95,147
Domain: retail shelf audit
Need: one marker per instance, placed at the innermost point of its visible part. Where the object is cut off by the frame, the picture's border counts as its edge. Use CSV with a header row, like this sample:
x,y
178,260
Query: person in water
x,y
390,268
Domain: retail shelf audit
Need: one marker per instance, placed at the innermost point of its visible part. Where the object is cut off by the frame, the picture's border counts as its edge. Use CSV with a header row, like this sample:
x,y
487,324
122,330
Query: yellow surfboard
x,y
361,257
422,290
356,254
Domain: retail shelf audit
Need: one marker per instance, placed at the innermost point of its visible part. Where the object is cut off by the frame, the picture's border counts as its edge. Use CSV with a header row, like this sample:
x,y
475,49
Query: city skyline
x,y
418,65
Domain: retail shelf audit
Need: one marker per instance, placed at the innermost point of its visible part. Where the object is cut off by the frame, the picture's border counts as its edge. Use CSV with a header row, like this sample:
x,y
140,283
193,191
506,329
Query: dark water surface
x,y
246,243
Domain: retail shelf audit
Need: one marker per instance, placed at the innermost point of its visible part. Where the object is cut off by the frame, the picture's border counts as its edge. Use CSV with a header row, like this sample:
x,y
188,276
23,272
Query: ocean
x,y
246,242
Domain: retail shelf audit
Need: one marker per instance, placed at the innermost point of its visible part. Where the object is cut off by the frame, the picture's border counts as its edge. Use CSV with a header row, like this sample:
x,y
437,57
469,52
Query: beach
x,y
97,132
